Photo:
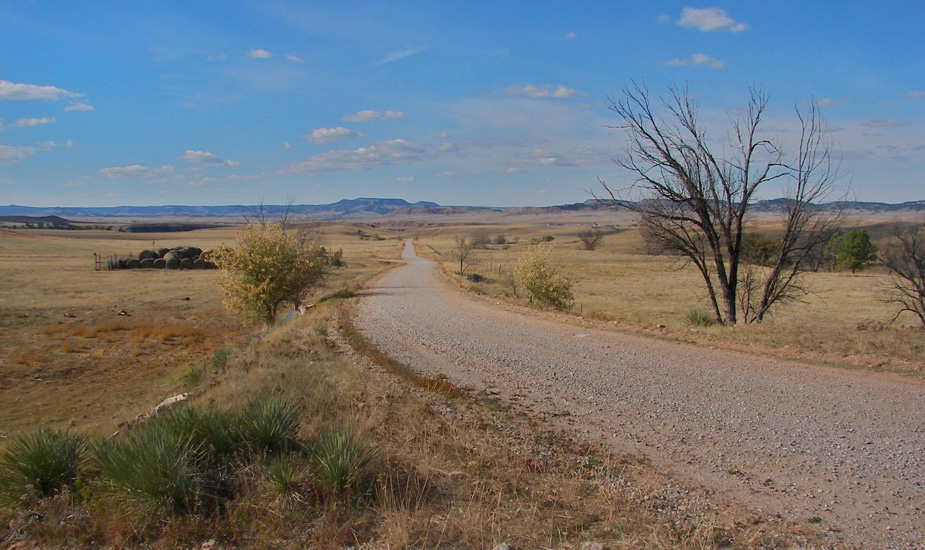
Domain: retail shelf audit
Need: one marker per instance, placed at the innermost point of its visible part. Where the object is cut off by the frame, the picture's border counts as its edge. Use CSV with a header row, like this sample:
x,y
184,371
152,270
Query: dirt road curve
x,y
797,440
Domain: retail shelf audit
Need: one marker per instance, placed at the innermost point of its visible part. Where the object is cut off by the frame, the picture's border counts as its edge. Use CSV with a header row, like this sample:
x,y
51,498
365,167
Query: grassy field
x,y
451,469
448,469
844,320
71,359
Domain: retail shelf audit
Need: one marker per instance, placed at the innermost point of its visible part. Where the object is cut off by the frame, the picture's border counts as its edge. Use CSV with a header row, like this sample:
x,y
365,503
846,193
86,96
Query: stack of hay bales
x,y
178,257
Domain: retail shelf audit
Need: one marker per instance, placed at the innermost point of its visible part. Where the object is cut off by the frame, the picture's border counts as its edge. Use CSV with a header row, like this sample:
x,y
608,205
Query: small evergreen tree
x,y
856,251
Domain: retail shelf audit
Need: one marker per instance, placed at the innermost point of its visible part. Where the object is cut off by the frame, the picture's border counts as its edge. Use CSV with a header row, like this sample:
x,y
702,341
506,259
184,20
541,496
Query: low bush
x,y
41,464
539,277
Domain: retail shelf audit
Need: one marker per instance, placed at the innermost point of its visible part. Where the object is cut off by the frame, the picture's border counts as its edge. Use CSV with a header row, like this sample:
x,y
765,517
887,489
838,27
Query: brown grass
x,y
457,470
844,320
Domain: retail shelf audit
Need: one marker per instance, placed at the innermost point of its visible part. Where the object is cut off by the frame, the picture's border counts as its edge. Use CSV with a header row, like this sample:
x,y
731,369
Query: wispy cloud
x,y
26,122
372,116
395,56
330,135
9,154
204,158
79,107
13,90
294,59
830,102
698,59
916,94
886,123
382,154
570,36
543,91
406,179
135,171
709,19
259,53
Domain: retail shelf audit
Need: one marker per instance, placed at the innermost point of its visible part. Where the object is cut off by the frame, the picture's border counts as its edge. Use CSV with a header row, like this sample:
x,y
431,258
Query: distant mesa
x,y
347,209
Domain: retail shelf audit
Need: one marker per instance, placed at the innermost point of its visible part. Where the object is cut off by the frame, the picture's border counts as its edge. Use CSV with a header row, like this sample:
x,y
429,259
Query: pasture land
x,y
844,320
91,349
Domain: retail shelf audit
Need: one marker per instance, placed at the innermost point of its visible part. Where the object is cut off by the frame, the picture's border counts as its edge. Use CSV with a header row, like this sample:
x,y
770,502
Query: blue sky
x,y
467,103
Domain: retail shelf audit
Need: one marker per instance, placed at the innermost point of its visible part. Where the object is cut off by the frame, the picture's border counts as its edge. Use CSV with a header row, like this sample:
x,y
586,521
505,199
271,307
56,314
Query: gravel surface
x,y
840,450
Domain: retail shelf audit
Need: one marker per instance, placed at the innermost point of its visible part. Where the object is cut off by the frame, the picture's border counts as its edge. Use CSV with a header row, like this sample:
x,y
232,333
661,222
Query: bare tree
x,y
590,238
462,252
694,202
905,261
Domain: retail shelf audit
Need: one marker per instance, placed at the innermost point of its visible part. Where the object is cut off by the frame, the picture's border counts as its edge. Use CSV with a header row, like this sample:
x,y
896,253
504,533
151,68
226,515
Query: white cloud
x,y
259,53
546,90
407,179
12,90
449,174
395,56
330,135
79,107
26,122
204,158
916,94
664,18
709,19
886,123
4,181
698,59
287,145
9,154
134,171
372,116
570,36
294,59
830,102
378,155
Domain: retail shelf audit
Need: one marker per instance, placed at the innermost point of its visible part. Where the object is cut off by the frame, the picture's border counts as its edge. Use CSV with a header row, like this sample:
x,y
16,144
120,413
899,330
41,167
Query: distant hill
x,y
48,221
355,209
344,209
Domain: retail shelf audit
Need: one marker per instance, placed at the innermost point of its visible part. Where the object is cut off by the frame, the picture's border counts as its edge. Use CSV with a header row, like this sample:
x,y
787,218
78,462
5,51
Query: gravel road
x,y
802,441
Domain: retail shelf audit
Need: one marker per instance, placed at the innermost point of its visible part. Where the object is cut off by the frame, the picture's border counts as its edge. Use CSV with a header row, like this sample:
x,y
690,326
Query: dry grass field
x,y
844,320
71,359
453,470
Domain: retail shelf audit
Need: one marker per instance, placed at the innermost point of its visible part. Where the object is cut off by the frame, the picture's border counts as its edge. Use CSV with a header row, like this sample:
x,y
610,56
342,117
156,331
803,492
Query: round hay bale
x,y
120,263
145,254
172,263
199,263
189,252
162,251
133,263
160,263
196,251
186,263
172,254
147,263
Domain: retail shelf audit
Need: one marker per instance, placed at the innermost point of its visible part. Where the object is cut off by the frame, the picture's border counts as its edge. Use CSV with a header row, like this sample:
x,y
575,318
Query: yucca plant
x,y
342,461
699,318
269,423
284,473
215,433
41,464
156,464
